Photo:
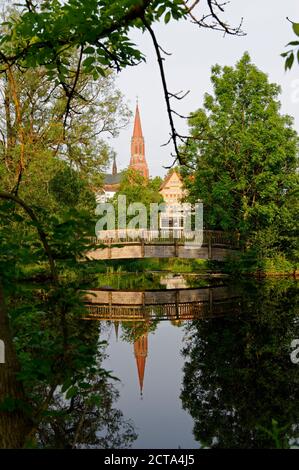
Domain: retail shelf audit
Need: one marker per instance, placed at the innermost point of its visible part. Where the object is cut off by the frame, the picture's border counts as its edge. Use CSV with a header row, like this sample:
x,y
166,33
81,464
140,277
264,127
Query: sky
x,y
194,51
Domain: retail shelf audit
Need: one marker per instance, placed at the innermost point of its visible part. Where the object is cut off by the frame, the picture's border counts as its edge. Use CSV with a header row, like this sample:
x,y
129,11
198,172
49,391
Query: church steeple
x,y
138,161
140,351
137,133
114,167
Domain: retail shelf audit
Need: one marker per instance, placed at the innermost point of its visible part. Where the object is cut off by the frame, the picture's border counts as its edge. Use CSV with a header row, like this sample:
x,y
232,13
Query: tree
x,y
46,33
34,143
138,189
55,165
245,157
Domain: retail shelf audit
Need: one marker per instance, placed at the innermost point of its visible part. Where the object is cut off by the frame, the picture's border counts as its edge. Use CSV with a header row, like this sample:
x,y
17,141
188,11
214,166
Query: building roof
x,y
168,177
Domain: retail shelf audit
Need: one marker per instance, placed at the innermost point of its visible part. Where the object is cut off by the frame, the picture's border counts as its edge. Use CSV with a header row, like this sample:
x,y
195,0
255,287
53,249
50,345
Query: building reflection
x,y
140,352
140,347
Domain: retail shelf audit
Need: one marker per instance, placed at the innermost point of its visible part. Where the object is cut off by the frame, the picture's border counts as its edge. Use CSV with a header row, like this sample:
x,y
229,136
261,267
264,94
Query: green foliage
x,y
138,189
253,262
53,26
290,55
152,264
49,143
131,332
67,187
60,170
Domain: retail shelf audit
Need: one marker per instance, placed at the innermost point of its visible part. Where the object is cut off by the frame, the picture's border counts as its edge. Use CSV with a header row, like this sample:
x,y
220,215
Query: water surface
x,y
150,360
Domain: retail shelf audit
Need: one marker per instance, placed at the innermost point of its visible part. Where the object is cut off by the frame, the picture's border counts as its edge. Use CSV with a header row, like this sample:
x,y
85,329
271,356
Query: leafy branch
x,y
289,56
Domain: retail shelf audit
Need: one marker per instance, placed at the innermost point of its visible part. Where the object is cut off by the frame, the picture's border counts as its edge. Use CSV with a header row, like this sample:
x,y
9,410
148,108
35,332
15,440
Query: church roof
x,y
113,179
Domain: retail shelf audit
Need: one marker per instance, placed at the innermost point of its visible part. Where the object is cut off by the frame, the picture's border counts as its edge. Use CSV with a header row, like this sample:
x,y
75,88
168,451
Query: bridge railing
x,y
127,236
181,311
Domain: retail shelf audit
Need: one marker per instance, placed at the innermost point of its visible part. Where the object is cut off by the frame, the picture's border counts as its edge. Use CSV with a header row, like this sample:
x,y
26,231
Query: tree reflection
x,y
86,421
240,386
53,390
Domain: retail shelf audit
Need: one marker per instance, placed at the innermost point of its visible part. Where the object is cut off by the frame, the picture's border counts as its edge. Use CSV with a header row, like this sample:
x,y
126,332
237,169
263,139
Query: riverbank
x,y
201,268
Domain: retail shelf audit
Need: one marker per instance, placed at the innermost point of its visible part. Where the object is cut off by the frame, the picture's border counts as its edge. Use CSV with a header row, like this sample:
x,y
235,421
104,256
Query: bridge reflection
x,y
172,304
140,311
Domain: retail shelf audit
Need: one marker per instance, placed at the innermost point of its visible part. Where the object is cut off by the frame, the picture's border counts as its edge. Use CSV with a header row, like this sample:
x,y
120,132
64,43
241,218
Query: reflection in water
x,y
151,280
239,384
140,351
222,352
173,304
171,281
54,391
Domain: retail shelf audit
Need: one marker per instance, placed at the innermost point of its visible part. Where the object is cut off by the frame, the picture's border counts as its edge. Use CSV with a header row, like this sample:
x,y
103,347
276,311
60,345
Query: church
x,y
172,188
137,162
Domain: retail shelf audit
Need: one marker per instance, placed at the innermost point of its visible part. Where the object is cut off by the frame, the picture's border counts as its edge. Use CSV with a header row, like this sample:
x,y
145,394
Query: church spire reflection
x,y
140,352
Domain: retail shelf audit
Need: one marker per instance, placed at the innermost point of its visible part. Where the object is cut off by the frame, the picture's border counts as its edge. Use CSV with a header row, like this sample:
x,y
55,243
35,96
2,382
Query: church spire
x,y
138,160
137,124
114,167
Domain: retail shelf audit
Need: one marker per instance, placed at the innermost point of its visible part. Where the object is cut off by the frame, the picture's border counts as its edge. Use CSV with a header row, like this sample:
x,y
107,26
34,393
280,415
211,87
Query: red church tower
x,y
138,161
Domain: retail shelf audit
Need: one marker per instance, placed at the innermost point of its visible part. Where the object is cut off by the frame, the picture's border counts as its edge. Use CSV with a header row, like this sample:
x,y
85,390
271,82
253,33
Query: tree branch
x,y
71,93
165,89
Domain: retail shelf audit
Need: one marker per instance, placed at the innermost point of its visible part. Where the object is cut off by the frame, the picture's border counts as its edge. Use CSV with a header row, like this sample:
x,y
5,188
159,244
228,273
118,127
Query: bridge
x,y
126,244
172,304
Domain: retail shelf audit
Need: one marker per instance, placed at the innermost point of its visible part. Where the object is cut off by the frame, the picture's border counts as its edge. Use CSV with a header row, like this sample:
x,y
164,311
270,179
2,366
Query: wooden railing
x,y
127,236
182,311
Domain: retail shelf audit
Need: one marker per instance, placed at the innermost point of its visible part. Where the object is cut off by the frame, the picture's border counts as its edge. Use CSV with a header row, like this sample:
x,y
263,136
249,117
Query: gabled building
x,y
173,192
172,189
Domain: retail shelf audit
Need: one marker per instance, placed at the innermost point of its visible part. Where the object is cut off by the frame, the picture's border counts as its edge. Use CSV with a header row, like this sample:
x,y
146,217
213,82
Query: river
x,y
155,360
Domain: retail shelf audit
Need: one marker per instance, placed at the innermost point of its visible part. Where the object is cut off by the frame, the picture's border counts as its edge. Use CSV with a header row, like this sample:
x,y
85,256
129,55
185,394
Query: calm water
x,y
192,362
221,378
157,413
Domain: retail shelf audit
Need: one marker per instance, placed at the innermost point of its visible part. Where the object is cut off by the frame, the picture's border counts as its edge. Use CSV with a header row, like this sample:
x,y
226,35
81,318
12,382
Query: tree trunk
x,y
14,425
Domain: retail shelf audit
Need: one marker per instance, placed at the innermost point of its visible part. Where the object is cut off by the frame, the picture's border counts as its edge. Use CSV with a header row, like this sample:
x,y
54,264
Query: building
x,y
140,353
173,219
137,162
172,189
173,193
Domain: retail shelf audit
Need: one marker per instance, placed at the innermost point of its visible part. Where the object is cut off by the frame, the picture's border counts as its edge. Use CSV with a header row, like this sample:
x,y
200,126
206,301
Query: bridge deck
x,y
131,244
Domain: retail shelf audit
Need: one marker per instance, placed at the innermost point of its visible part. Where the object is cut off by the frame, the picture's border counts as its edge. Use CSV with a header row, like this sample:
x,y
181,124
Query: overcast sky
x,y
194,51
